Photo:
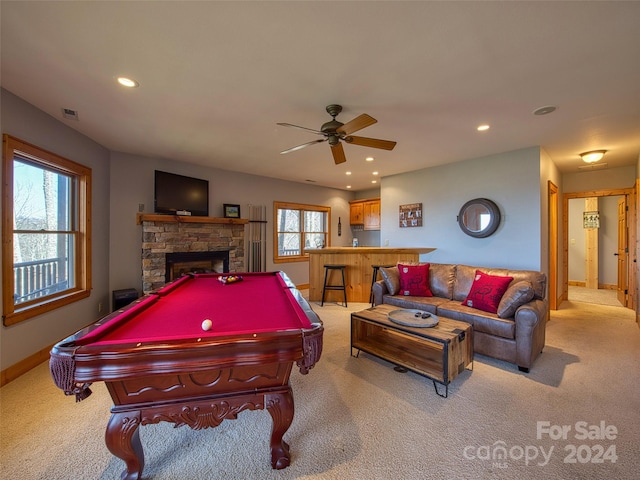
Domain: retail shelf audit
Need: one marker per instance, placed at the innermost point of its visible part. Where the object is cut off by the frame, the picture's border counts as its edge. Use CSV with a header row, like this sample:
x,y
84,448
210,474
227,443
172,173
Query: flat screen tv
x,y
174,193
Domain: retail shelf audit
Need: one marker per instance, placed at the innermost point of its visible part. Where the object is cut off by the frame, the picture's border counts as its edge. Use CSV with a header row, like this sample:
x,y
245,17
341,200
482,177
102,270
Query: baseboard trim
x,y
23,366
561,298
601,286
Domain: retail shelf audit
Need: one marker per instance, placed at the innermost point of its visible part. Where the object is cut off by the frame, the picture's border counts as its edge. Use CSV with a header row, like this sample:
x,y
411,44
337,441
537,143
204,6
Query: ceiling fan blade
x,y
358,123
293,149
303,128
338,153
371,142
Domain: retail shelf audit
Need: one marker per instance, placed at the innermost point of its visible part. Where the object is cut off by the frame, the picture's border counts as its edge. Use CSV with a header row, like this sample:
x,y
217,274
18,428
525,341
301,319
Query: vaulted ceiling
x,y
215,78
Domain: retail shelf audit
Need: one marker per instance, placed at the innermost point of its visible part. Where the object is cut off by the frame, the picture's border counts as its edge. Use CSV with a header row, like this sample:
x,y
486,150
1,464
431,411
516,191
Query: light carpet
x,y
356,418
600,296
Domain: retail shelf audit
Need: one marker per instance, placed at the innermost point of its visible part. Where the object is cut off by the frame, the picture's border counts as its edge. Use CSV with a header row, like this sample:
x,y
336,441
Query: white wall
x,y
608,240
607,179
511,180
577,247
133,184
27,123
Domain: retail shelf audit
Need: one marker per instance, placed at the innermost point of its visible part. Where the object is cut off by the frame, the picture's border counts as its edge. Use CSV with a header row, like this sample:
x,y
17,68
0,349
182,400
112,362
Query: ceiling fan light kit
x,y
334,132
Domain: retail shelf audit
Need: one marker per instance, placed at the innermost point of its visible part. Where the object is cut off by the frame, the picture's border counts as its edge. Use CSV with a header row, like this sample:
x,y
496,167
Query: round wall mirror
x,y
479,217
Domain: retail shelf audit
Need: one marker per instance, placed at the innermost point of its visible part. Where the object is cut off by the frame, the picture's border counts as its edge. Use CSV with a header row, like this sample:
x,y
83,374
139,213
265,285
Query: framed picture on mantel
x,y
410,215
231,211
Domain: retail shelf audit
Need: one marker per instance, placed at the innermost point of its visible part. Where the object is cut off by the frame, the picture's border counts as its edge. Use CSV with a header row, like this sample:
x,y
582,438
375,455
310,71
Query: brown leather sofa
x,y
518,338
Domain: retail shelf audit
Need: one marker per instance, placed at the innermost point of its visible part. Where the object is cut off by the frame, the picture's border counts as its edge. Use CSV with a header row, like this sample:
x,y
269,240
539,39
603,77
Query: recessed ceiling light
x,y
128,82
348,186
347,173
375,173
545,110
369,159
483,128
374,181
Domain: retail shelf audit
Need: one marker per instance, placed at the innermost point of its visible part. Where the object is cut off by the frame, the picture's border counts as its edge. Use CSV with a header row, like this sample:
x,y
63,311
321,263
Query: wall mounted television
x,y
174,193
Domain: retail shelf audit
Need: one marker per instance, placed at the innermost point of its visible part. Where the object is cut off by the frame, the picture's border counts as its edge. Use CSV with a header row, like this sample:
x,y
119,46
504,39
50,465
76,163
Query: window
x,y
46,220
299,227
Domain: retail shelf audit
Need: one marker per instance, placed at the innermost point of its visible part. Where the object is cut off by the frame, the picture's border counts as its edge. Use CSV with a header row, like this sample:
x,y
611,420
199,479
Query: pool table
x,y
160,365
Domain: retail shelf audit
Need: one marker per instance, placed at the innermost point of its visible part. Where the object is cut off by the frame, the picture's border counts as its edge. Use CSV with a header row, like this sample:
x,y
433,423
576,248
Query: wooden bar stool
x,y
376,268
326,286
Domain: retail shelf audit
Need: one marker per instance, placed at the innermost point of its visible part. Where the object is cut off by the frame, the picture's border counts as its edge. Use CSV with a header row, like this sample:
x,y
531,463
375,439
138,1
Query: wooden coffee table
x,y
439,353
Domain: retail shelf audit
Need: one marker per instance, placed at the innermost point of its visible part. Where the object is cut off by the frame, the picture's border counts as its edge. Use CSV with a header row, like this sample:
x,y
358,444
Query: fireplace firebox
x,y
180,263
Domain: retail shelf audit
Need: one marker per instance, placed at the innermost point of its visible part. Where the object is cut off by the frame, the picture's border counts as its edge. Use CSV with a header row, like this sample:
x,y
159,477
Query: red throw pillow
x,y
487,291
414,280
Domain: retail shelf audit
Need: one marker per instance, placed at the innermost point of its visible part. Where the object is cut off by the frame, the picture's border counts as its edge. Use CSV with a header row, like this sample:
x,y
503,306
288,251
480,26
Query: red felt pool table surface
x,y
258,303
160,365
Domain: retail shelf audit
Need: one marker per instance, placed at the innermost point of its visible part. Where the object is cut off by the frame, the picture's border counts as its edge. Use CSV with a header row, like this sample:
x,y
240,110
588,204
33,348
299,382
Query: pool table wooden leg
x,y
280,407
123,440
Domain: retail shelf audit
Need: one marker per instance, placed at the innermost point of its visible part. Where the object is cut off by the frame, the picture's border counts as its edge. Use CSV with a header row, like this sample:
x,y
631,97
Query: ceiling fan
x,y
334,132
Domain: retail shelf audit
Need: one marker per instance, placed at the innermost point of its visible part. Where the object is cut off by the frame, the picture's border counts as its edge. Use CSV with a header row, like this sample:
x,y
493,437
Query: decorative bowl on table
x,y
413,318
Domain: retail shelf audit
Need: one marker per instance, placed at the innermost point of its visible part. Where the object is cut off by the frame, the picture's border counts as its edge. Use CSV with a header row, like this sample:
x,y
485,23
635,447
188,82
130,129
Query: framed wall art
x,y
231,211
410,215
591,219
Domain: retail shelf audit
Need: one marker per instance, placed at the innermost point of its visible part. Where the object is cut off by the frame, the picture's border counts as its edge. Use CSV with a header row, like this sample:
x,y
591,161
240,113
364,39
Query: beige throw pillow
x,y
516,295
391,277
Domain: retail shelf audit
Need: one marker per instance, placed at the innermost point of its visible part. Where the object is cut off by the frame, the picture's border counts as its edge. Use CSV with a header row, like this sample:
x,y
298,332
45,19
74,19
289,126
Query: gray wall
x,y
516,181
27,123
511,180
134,185
549,173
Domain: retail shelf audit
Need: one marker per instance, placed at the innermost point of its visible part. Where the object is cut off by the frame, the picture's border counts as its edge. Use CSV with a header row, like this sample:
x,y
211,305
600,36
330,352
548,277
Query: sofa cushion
x,y
487,291
414,280
482,321
391,278
516,295
428,304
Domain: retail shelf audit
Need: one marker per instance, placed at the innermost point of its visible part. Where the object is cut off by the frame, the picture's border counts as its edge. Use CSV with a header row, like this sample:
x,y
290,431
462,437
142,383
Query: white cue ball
x,y
207,324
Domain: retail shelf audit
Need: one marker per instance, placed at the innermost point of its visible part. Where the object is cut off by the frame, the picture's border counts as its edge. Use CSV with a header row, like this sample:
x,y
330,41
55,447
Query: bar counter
x,y
358,272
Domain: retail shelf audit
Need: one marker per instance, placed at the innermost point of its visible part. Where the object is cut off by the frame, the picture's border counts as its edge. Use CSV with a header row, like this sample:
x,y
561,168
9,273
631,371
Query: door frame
x,y
623,250
630,195
552,191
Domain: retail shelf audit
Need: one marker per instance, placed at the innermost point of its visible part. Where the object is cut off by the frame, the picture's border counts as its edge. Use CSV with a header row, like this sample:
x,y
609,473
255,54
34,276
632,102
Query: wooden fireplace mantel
x,y
150,217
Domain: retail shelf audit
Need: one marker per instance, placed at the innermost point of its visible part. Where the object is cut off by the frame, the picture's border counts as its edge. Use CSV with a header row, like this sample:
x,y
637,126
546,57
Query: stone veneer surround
x,y
162,234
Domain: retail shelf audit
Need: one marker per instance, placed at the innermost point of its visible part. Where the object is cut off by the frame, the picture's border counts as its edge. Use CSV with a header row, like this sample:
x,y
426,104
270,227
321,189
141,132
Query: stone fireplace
x,y
173,244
